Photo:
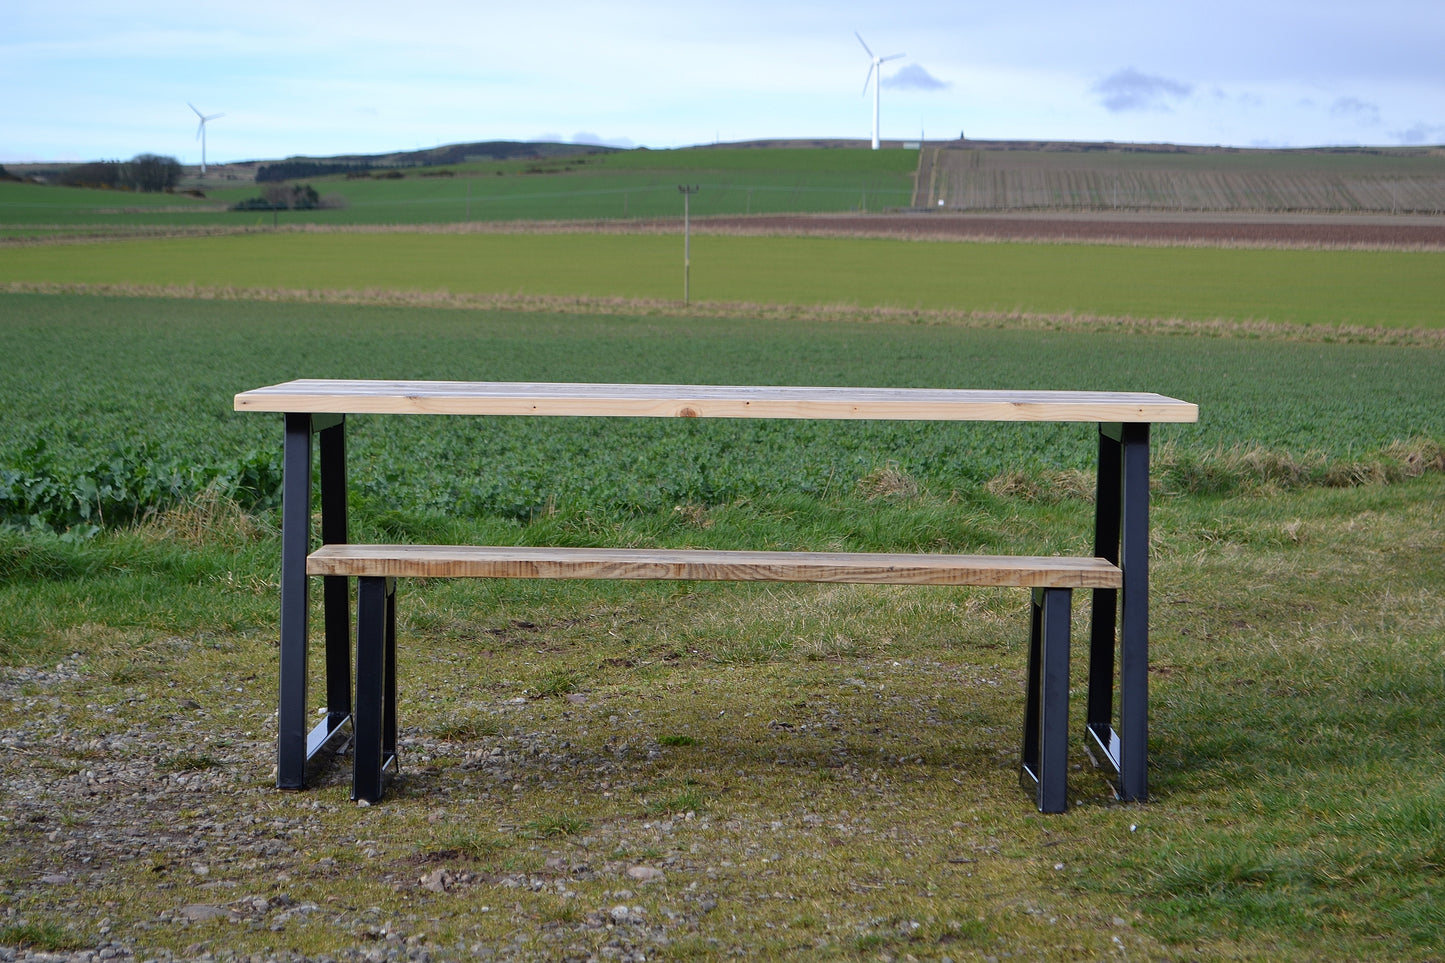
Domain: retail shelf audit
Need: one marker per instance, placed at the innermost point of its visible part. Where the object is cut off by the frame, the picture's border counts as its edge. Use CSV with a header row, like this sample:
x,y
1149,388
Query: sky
x,y
87,80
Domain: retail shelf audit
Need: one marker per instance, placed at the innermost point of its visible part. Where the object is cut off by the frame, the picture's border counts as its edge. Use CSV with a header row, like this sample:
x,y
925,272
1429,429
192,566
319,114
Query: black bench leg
x,y
374,722
1046,702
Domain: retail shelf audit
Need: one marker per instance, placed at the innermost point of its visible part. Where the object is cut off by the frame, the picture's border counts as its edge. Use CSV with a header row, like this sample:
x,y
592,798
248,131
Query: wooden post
x,y
687,193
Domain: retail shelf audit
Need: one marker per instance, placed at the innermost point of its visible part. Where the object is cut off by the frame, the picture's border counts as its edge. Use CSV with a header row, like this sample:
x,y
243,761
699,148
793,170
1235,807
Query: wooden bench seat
x,y
1051,578
708,565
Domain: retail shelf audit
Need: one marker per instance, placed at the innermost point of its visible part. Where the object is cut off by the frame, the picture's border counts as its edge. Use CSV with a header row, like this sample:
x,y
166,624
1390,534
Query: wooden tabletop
x,y
321,396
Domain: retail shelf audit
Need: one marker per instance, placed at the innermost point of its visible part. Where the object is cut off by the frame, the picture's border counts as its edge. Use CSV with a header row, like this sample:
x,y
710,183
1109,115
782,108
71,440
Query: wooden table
x,y
1119,617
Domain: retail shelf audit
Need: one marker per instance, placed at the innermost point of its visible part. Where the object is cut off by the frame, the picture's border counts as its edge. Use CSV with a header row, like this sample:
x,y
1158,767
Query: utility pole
x,y
686,193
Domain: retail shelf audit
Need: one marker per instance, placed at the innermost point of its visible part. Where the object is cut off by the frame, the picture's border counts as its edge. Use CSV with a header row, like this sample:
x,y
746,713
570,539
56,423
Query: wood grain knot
x,y
687,412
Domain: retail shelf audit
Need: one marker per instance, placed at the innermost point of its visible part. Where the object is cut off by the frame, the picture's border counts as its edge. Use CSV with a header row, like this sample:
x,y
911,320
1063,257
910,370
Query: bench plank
x,y
710,401
469,561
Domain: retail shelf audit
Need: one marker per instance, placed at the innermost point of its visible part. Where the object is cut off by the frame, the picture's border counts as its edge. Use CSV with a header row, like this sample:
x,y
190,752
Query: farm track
x,y
1365,232
1144,229
1203,229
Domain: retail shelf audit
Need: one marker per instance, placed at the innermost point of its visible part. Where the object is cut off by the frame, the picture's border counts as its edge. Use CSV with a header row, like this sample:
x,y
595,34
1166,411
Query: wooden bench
x,y
1045,740
1117,575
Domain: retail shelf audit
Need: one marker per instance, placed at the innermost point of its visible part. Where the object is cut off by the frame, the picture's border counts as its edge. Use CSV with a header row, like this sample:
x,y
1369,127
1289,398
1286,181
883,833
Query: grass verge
x,y
1361,288
701,771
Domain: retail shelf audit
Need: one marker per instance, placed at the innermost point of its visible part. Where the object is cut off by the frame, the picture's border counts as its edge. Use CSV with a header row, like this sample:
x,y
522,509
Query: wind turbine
x,y
875,74
201,133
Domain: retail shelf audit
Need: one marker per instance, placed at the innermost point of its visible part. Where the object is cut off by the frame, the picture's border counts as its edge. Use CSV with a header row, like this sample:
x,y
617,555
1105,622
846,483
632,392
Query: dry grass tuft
x,y
697,516
1256,470
1417,456
1055,487
207,519
889,482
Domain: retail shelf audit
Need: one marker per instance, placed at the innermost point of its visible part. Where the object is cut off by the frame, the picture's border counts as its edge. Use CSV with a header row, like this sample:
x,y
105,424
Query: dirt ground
x,y
1308,230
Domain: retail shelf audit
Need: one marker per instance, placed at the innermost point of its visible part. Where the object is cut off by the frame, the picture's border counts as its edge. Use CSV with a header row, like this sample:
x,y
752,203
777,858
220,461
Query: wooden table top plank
x,y
710,401
472,561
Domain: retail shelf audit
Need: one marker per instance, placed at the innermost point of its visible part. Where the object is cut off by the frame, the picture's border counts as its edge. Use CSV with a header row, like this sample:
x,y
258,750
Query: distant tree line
x,y
290,197
290,170
144,172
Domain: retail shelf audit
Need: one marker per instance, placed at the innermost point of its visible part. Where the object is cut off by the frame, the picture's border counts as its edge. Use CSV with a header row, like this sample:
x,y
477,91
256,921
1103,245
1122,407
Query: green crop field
x,y
1375,288
643,184
632,184
101,385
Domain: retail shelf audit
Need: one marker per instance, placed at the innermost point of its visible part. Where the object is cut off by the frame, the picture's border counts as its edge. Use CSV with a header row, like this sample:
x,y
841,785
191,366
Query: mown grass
x,y
849,747
1372,288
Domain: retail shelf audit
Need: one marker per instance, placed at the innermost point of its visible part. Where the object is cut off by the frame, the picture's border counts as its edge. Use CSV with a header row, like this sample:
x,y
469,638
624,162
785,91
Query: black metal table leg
x,y
1103,623
1134,617
1121,535
294,744
295,545
336,591
388,713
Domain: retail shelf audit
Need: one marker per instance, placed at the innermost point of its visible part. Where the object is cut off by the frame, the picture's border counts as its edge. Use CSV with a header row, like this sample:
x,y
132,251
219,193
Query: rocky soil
x,y
139,822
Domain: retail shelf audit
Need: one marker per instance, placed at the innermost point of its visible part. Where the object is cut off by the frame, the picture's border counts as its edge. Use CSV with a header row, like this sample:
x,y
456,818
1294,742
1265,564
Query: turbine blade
x,y
214,116
193,107
868,78
891,57
200,129
860,40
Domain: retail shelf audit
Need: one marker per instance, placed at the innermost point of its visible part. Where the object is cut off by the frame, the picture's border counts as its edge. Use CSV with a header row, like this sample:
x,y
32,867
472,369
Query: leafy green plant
x,y
37,492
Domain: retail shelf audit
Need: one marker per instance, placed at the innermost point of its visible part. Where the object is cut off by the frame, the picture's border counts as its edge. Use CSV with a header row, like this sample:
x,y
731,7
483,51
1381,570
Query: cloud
x,y
596,140
1352,108
1421,134
1128,89
914,77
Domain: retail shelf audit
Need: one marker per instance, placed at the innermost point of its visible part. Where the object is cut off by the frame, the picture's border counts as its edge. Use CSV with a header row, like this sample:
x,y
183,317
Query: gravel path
x,y
82,811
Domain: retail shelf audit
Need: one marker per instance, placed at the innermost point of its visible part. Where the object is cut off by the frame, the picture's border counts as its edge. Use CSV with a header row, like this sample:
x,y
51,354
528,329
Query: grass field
x,y
1376,288
632,184
817,772
102,402
643,184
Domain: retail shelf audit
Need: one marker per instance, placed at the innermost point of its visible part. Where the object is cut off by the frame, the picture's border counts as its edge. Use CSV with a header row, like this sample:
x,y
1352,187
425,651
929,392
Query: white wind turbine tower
x,y
875,74
201,132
